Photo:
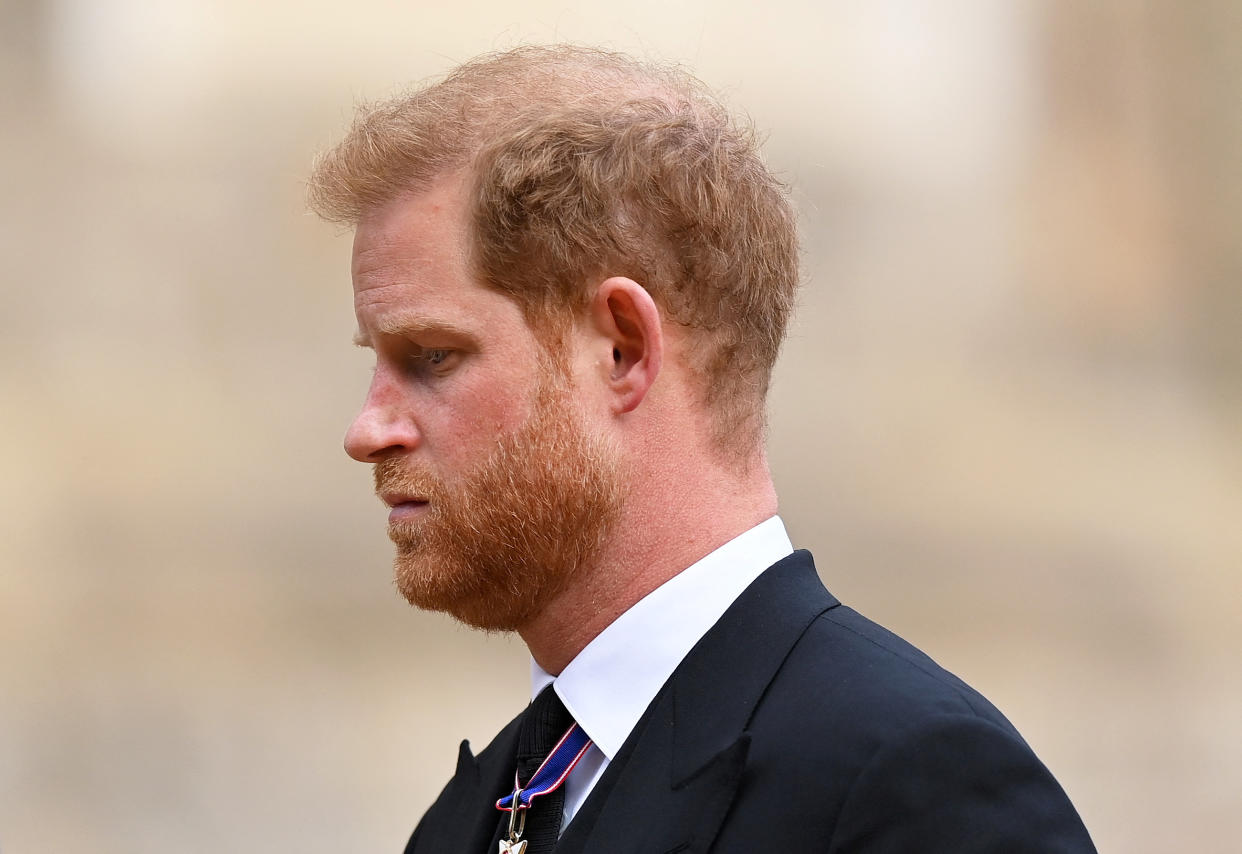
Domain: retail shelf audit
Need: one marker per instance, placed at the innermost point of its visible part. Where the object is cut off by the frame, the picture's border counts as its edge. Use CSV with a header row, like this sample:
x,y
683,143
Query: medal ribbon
x,y
549,776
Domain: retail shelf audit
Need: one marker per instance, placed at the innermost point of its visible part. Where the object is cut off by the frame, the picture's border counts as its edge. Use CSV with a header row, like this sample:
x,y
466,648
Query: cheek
x,y
482,414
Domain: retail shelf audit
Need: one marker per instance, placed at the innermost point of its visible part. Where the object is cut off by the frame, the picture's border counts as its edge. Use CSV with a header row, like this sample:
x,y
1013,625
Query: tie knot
x,y
545,721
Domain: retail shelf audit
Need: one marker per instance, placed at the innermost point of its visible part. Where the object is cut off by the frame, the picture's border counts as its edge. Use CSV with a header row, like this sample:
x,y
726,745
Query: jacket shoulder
x,y
878,748
871,672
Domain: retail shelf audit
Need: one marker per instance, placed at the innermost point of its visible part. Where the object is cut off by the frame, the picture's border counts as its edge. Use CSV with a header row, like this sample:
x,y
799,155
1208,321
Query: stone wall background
x,y
1007,420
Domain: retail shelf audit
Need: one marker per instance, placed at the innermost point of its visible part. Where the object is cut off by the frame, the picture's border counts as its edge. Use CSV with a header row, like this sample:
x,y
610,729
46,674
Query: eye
x,y
430,363
434,361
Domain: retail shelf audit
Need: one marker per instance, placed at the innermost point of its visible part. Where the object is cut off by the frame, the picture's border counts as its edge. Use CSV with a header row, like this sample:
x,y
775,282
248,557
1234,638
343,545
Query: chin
x,y
464,595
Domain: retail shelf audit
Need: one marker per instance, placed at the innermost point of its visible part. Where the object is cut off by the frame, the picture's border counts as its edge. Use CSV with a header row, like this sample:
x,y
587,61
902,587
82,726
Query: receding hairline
x,y
481,100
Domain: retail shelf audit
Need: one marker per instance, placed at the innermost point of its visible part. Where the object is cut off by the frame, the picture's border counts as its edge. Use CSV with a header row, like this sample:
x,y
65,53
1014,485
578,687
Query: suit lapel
x,y
670,786
464,818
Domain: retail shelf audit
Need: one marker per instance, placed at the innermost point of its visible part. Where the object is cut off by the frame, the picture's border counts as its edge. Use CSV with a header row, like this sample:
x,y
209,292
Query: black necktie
x,y
545,721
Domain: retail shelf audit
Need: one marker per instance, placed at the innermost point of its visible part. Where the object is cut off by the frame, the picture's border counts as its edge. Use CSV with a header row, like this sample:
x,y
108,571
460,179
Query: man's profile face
x,y
499,493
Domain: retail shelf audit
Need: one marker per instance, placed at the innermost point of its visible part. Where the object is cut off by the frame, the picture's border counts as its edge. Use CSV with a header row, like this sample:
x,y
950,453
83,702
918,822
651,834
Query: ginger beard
x,y
493,548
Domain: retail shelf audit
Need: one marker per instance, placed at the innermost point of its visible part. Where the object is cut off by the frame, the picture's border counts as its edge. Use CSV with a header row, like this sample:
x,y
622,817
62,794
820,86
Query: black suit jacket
x,y
794,725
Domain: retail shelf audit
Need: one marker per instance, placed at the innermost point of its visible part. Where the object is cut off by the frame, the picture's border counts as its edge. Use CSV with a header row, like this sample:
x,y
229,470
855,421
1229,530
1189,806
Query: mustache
x,y
392,476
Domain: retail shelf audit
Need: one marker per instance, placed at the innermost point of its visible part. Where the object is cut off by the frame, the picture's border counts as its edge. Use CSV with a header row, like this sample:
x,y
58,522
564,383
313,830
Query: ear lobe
x,y
626,315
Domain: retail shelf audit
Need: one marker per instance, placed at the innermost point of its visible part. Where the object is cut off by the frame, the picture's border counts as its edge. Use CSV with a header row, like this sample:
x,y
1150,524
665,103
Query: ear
x,y
627,318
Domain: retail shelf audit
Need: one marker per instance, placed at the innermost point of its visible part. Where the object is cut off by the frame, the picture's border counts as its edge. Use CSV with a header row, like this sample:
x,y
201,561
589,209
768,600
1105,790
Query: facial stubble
x,y
495,547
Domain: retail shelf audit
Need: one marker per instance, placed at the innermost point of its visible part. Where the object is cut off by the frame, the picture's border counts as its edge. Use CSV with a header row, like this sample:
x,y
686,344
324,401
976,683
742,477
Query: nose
x,y
384,427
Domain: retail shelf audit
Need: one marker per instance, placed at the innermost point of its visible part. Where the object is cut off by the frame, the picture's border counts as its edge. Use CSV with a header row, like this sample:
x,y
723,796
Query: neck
x,y
661,532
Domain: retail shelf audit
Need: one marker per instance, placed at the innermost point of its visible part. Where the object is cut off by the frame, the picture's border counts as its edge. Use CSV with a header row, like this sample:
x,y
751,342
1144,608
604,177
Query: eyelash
x,y
434,359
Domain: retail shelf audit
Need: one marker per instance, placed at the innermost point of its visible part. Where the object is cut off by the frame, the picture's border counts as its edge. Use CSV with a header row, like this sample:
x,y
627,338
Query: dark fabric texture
x,y
543,724
795,725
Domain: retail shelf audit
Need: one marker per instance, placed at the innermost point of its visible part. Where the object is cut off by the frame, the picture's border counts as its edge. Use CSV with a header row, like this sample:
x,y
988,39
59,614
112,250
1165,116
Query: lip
x,y
403,506
406,510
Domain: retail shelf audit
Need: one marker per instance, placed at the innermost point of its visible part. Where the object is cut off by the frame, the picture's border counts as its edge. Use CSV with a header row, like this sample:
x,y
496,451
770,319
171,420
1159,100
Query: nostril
x,y
361,439
378,433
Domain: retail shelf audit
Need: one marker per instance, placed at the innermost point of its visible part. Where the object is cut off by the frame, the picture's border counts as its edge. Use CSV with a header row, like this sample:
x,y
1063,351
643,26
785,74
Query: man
x,y
575,272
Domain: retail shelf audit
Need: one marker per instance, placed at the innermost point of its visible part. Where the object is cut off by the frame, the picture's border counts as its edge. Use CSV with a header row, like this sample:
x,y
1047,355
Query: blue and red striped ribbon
x,y
549,776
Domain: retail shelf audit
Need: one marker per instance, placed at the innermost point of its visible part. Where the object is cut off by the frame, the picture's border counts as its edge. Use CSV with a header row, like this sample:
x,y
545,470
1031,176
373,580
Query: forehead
x,y
410,264
422,233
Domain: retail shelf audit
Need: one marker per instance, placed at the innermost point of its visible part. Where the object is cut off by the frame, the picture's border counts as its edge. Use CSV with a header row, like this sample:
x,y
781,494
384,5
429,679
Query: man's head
x,y
533,234
582,165
500,493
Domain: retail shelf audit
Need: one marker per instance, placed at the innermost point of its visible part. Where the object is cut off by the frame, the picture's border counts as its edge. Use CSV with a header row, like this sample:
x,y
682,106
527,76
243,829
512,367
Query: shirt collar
x,y
610,683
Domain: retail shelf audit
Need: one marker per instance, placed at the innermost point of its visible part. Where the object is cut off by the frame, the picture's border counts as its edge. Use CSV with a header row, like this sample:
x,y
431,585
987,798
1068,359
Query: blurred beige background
x,y
1007,420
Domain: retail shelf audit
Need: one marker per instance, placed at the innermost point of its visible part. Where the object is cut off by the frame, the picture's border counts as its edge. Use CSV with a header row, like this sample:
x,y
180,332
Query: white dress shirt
x,y
610,683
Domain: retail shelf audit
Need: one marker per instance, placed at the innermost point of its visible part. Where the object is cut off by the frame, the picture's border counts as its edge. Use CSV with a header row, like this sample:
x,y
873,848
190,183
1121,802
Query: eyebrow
x,y
404,327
